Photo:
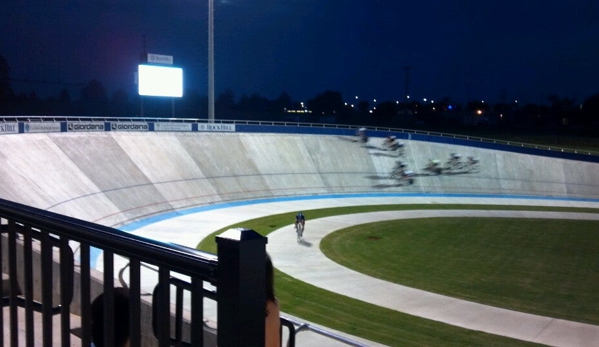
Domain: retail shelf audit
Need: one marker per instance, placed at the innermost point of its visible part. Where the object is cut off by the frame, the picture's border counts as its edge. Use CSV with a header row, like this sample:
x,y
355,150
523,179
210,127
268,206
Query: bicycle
x,y
299,230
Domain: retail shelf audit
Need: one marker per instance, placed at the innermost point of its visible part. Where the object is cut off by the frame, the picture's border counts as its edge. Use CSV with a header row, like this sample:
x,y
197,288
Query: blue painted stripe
x,y
155,219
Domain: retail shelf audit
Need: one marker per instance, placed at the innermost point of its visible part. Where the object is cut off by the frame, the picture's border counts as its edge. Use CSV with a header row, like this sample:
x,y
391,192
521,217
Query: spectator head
x,y
121,318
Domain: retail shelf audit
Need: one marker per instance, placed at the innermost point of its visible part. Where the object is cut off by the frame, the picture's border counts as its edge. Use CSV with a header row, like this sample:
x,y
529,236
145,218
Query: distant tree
x,y
119,103
387,110
253,103
590,111
94,91
94,98
329,103
283,102
193,105
226,99
363,106
478,105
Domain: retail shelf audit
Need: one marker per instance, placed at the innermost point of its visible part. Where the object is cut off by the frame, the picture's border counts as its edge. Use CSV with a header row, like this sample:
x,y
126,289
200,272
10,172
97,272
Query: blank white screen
x,y
160,81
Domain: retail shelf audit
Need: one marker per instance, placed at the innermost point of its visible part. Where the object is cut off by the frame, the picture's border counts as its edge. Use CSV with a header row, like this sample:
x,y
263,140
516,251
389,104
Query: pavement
x,y
306,263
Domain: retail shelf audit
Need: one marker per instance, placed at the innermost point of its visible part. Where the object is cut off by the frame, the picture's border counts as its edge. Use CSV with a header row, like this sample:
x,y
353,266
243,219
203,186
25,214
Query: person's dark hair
x,y
121,318
270,280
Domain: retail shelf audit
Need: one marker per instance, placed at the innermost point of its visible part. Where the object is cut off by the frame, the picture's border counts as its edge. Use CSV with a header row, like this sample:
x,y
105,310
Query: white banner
x,y
133,126
9,128
160,59
85,126
172,126
31,127
216,127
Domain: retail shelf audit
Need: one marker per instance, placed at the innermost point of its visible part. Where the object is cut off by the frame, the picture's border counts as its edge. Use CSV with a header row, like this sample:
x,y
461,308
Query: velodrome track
x,y
306,263
117,179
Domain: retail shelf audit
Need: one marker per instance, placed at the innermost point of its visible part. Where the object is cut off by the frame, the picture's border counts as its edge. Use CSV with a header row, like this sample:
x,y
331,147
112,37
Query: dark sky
x,y
524,49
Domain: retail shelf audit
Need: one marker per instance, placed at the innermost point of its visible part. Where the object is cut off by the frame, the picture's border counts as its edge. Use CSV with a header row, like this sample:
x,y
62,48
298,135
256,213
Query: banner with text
x,y
85,126
9,128
132,126
216,127
31,127
163,126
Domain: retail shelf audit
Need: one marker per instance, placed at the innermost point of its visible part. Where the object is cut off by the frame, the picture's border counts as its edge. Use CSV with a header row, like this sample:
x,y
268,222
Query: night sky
x,y
490,50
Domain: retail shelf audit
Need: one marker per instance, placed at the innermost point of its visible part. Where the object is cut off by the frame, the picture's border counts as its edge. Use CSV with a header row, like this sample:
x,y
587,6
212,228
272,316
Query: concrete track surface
x,y
117,179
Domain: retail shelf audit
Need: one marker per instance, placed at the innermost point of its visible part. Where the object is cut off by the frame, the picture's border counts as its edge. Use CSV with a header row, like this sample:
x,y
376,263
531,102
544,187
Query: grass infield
x,y
388,326
540,266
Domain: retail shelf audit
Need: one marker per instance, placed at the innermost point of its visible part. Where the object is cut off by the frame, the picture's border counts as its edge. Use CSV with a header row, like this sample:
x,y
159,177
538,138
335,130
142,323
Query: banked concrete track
x,y
119,178
115,178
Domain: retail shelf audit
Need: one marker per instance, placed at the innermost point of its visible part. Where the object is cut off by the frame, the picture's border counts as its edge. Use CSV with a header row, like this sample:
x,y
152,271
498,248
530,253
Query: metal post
x,y
210,60
241,294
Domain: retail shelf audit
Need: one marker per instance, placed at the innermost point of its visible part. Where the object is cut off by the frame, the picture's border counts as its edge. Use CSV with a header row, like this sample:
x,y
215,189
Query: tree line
x,y
557,115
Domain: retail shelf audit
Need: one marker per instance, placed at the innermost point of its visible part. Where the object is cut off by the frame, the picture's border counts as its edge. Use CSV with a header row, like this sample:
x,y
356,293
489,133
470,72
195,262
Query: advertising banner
x,y
130,126
216,127
9,128
85,126
163,126
33,127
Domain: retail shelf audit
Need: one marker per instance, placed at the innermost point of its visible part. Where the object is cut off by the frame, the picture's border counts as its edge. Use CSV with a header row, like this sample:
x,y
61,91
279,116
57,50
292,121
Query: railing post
x,y
241,290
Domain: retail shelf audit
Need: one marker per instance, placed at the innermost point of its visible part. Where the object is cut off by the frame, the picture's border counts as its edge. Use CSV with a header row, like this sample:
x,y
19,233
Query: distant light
x,y
352,105
434,109
501,115
407,97
346,104
516,101
449,107
483,101
356,97
370,111
374,100
424,99
479,112
432,101
374,108
397,102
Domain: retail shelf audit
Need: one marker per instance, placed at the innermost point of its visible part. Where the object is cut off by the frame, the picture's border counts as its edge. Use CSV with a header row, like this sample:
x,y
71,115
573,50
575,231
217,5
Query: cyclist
x,y
361,133
299,218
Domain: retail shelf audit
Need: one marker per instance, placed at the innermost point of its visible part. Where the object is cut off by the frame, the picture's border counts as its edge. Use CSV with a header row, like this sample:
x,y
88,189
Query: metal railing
x,y
34,118
240,317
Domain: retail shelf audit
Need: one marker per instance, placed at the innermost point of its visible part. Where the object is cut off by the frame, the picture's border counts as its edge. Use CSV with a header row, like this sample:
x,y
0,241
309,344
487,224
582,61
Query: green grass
x,y
362,319
540,266
375,323
266,225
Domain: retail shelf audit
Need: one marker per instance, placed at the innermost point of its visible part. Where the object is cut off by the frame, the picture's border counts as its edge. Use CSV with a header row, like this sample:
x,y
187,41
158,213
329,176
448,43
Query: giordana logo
x,y
130,126
85,126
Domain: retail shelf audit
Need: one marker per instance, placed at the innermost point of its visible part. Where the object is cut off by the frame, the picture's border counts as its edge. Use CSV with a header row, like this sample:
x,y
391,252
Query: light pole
x,y
210,60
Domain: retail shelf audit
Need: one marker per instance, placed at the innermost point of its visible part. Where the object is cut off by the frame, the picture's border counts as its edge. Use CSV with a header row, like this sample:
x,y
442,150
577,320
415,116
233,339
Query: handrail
x,y
303,326
33,118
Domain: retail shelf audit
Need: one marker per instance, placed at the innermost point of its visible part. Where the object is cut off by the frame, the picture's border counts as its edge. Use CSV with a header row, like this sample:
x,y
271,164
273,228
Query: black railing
x,y
37,244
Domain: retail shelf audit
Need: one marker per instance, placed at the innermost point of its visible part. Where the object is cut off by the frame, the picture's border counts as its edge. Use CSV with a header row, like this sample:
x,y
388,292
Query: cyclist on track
x,y
299,218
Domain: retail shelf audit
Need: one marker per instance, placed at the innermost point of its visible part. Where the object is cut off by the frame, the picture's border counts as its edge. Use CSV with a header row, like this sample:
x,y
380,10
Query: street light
x,y
210,60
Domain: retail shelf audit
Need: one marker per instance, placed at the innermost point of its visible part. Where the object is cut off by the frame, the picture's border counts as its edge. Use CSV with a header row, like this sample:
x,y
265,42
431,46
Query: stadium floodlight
x,y
160,80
